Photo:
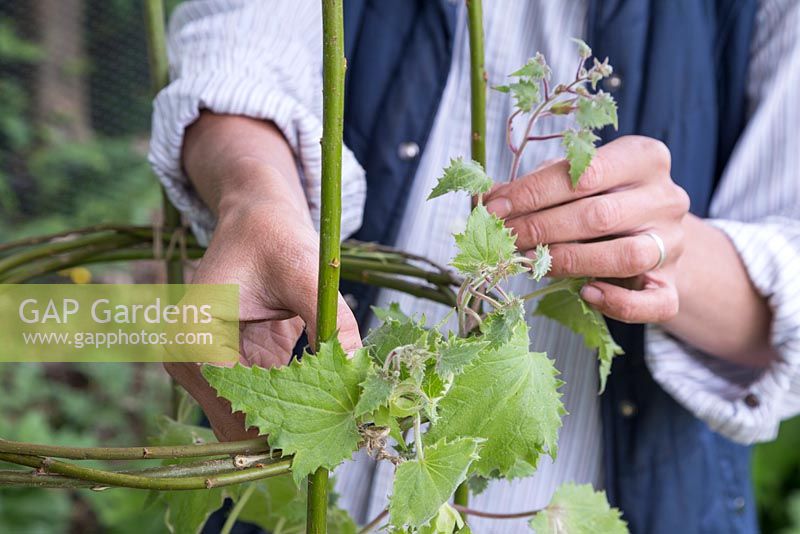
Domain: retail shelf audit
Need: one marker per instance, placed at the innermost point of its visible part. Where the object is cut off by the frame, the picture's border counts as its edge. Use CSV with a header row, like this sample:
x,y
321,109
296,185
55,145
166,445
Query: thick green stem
x,y
205,468
561,285
156,44
159,78
138,481
478,117
333,69
250,446
477,80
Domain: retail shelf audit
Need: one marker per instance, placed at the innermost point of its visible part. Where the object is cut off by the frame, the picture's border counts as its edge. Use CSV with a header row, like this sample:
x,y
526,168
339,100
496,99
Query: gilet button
x,y
612,83
627,409
408,150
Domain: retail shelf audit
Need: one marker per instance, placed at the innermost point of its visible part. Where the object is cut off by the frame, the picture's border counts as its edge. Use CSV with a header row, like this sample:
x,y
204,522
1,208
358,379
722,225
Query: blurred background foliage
x,y
74,119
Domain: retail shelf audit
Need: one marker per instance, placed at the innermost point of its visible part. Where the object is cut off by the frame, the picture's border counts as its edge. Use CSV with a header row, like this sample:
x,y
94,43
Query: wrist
x,y
251,187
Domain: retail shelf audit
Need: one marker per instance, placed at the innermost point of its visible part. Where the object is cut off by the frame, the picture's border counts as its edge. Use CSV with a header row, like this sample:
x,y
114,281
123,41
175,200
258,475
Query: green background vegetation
x,y
81,161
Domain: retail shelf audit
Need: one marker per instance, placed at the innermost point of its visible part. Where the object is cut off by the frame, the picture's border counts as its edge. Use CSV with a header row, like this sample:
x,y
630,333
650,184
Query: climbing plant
x,y
443,406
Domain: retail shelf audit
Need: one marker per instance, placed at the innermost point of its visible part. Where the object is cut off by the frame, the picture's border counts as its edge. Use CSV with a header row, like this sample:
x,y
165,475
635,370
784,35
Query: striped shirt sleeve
x,y
257,58
758,206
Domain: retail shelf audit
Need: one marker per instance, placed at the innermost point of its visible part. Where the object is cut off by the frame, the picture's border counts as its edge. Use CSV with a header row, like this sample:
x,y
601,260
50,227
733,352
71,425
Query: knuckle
x,y
657,152
566,260
602,215
637,257
681,198
593,177
531,197
531,233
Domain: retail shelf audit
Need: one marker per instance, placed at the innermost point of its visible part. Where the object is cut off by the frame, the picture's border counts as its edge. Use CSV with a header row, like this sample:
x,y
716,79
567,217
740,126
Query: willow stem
x,y
250,446
191,469
138,481
477,80
333,69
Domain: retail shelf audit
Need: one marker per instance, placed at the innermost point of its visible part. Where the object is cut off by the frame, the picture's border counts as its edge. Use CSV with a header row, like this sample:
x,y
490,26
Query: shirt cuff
x,y
179,105
744,404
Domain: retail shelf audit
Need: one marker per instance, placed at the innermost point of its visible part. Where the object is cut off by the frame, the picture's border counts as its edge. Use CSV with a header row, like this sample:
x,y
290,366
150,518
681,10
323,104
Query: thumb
x,y
346,324
349,335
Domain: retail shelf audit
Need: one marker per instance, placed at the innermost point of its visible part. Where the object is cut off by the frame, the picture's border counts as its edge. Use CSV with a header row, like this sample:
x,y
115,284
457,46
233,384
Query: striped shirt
x,y
263,59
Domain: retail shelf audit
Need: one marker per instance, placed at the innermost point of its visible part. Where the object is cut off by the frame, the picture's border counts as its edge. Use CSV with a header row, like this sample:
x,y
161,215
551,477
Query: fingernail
x,y
499,206
591,294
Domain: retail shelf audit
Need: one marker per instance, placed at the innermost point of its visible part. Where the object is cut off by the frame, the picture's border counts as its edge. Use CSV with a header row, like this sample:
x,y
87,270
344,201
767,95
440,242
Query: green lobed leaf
x,y
393,312
578,509
376,391
568,308
477,484
499,326
306,407
597,111
542,262
535,68
188,511
583,49
509,397
457,353
462,175
580,151
392,334
421,487
526,93
446,521
484,244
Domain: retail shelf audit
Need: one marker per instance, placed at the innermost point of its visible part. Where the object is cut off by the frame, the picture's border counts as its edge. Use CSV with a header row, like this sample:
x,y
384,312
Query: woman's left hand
x,y
605,227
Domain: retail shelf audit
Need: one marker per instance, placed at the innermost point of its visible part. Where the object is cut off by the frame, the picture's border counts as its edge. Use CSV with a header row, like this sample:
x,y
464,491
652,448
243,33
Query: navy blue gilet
x,y
682,66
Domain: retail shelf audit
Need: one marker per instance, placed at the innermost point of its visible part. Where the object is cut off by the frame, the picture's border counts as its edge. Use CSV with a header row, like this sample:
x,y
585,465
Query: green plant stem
x,y
138,481
478,513
73,258
333,69
38,239
357,264
478,134
418,437
237,509
159,78
250,446
439,294
156,44
377,520
190,469
57,247
22,479
561,285
477,80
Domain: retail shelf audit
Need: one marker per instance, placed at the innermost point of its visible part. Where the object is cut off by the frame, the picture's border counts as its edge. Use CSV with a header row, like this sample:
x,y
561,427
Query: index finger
x,y
622,162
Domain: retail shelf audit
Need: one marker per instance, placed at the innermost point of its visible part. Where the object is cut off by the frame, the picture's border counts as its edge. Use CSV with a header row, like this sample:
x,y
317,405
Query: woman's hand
x,y
264,242
600,228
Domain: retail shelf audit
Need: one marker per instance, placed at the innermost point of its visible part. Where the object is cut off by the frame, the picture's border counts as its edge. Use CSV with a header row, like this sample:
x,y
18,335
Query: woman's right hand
x,y
265,243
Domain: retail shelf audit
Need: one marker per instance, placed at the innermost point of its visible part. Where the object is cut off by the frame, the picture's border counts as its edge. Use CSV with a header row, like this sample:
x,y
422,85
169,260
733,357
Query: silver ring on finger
x,y
662,250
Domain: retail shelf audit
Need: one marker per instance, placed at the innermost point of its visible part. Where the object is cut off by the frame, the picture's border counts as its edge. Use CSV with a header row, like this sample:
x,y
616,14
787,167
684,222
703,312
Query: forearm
x,y
721,313
234,161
